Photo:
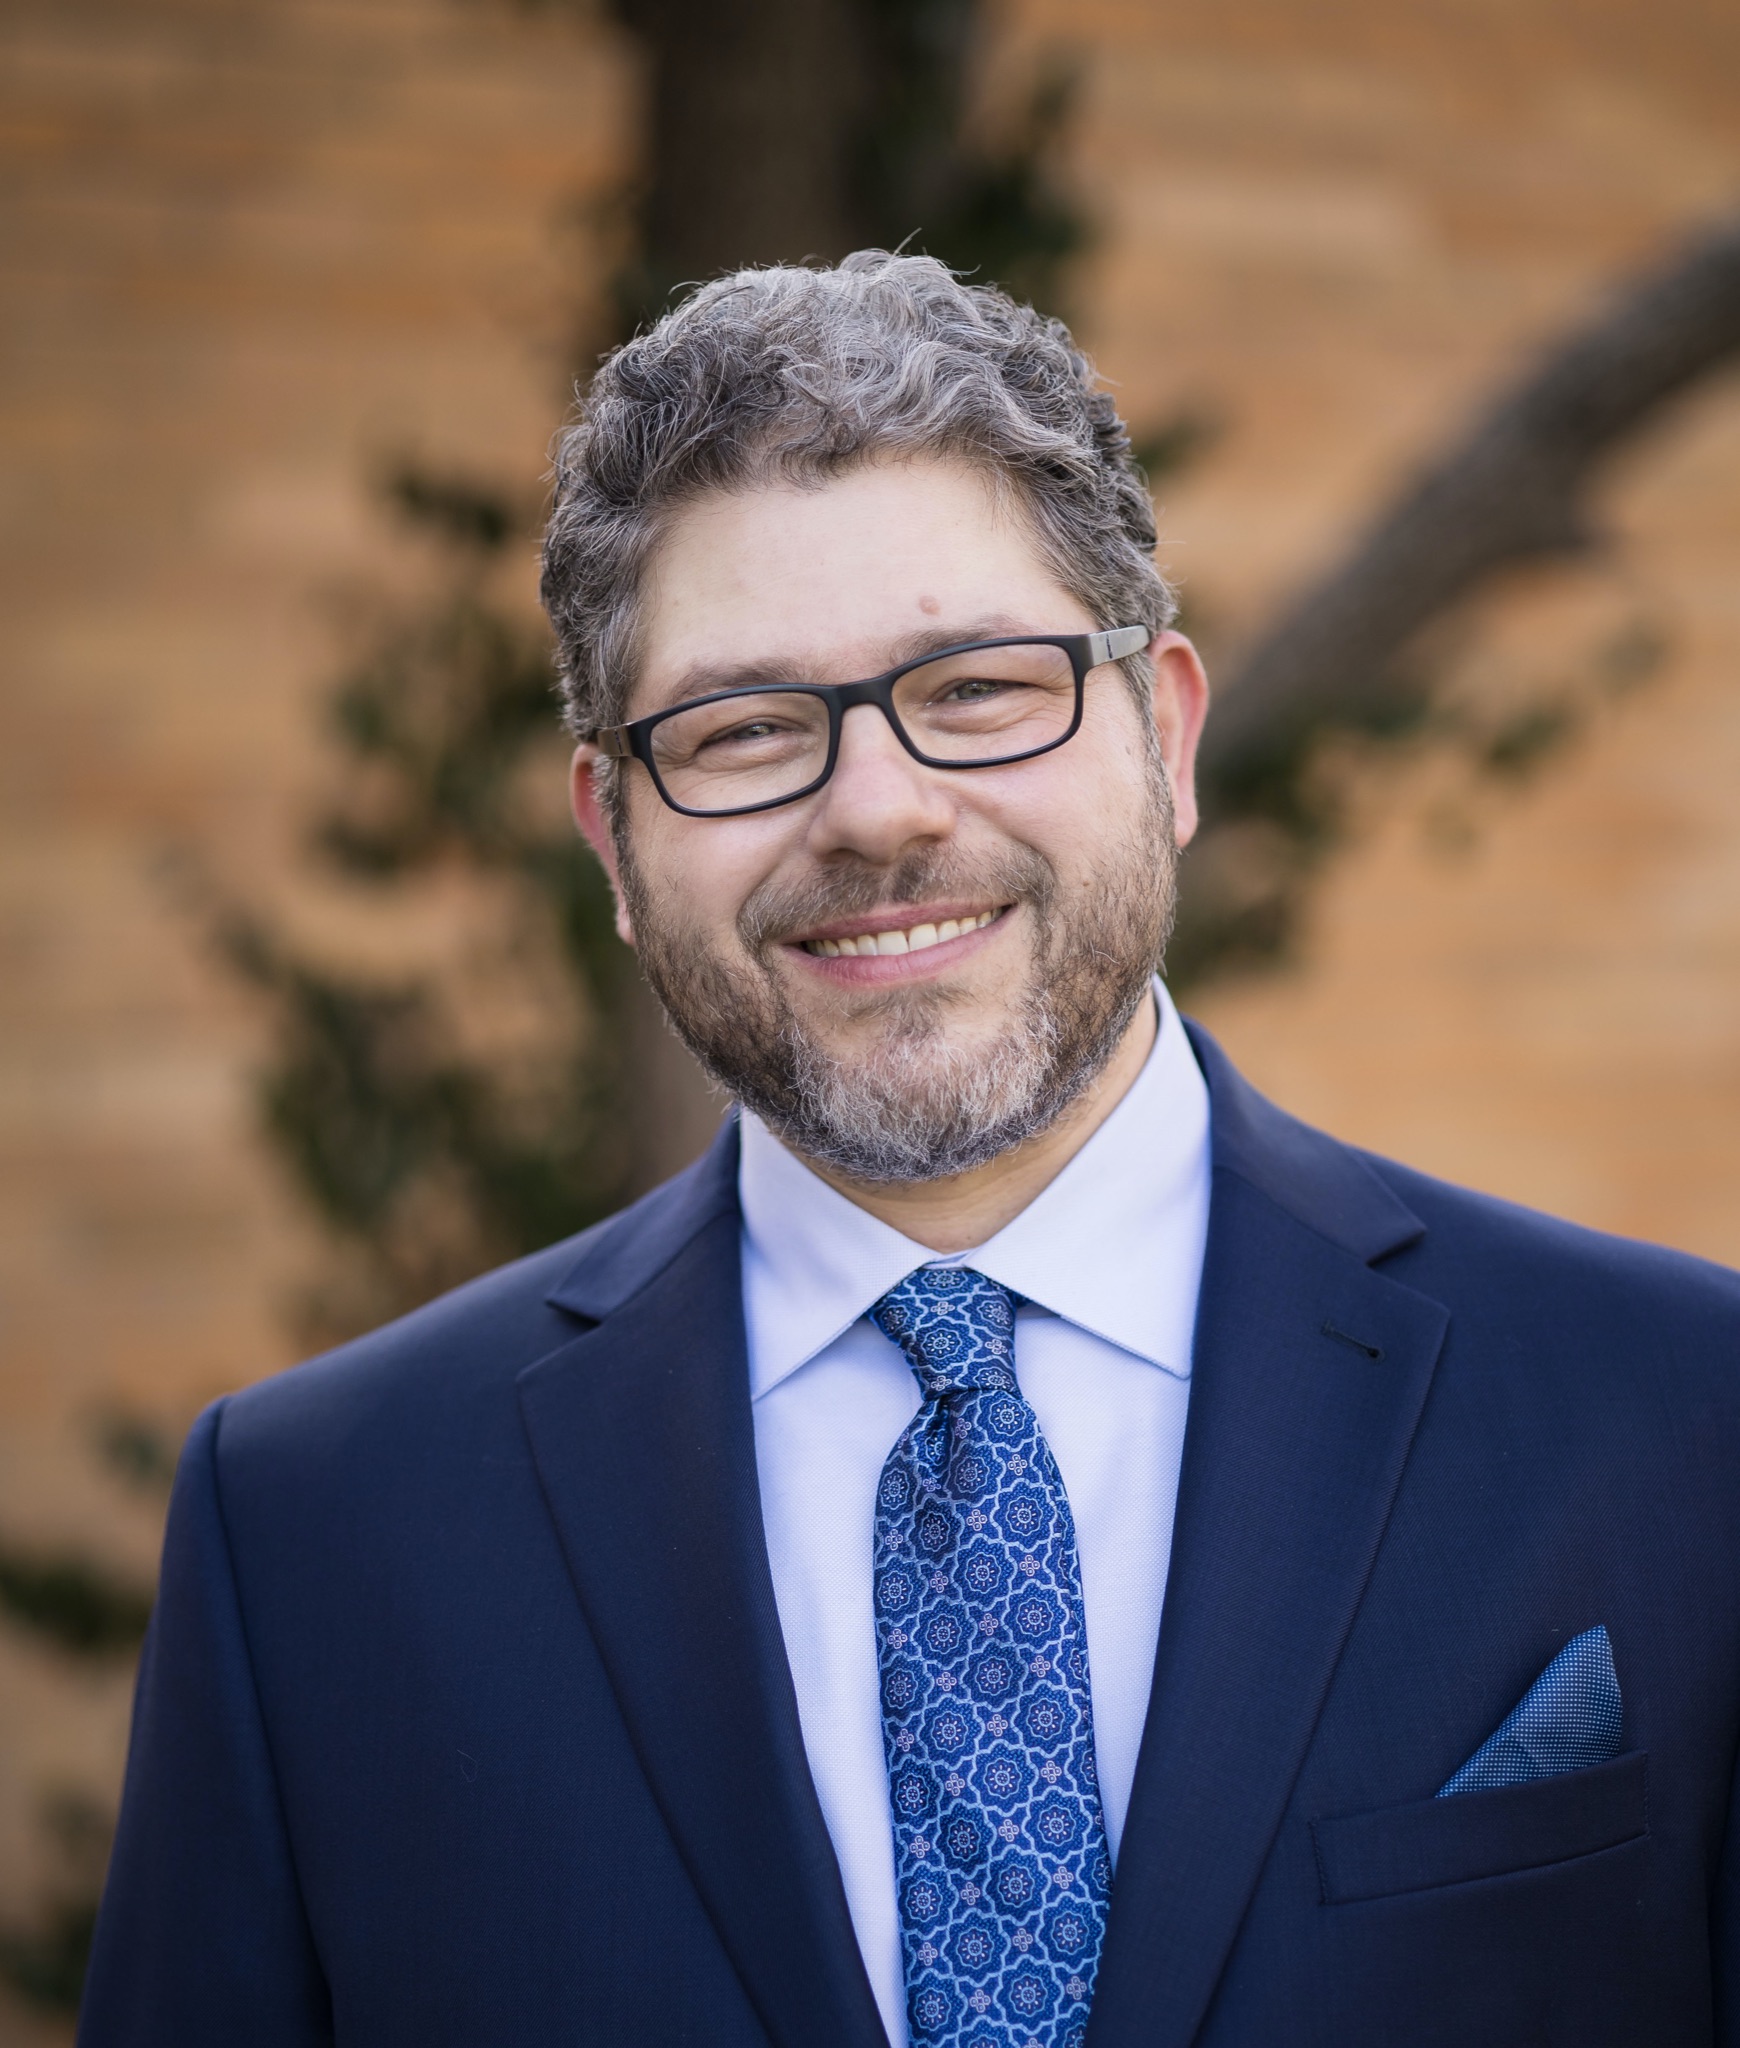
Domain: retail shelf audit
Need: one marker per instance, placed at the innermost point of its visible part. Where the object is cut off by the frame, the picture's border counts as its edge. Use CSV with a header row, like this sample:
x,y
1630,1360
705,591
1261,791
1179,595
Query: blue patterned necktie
x,y
1000,1854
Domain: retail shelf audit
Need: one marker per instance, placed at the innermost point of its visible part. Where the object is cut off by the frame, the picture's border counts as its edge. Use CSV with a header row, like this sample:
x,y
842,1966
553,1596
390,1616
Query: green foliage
x,y
72,1603
426,1158
442,710
1166,447
989,204
1528,737
458,508
141,1455
446,718
96,1615
408,1148
45,1962
1274,817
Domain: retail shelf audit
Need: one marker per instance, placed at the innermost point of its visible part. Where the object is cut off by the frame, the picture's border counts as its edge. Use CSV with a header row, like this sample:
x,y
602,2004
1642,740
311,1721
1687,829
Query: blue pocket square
x,y
1566,1721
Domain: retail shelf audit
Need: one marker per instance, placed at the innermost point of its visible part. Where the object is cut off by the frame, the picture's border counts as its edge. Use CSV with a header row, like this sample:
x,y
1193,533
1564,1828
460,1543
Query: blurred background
x,y
1426,321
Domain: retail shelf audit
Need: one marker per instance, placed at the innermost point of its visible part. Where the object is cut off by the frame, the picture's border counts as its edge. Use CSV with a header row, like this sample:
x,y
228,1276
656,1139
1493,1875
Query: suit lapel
x,y
1310,1374
642,1435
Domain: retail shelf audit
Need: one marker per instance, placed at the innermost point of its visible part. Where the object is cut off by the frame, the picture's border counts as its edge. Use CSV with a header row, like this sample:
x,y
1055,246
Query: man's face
x,y
1018,910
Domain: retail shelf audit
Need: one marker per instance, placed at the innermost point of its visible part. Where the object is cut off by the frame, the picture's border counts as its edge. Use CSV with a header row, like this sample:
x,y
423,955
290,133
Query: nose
x,y
879,799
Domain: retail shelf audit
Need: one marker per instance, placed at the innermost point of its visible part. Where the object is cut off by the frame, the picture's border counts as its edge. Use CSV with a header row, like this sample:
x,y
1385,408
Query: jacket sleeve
x,y
202,1940
1725,1930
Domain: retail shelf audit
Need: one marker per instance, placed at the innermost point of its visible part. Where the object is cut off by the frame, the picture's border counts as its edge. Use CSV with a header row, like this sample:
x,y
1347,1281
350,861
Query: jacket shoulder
x,y
464,1348
1619,1298
440,1368
1482,1257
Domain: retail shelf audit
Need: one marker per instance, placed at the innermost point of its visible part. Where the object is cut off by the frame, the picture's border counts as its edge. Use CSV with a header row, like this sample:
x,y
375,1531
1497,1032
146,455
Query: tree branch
x,y
1511,492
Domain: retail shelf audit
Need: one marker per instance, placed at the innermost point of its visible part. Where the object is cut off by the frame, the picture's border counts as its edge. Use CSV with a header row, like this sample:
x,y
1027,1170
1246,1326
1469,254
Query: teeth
x,y
914,940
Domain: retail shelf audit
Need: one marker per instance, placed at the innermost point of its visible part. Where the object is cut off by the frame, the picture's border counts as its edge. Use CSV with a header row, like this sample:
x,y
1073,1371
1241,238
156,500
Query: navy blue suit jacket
x,y
465,1717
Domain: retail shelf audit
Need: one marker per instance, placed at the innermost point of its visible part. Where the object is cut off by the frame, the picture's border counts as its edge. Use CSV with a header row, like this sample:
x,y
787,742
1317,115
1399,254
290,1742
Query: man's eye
x,y
975,690
747,732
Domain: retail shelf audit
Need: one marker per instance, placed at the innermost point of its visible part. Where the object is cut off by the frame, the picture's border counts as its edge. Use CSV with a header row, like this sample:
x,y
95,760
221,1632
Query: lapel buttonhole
x,y
1359,1344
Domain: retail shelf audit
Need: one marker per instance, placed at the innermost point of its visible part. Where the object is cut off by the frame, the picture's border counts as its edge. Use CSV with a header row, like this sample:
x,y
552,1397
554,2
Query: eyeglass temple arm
x,y
610,739
1115,644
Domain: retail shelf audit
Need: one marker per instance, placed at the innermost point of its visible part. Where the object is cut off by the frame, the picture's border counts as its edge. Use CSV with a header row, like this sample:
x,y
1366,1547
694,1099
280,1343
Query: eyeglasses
x,y
981,705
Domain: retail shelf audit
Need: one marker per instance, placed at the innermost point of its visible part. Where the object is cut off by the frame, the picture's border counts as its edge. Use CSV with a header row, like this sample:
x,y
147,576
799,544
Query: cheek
x,y
1113,801
1088,806
694,873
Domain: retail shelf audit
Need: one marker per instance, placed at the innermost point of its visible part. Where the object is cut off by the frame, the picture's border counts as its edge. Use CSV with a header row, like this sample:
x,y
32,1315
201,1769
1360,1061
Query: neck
x,y
956,1214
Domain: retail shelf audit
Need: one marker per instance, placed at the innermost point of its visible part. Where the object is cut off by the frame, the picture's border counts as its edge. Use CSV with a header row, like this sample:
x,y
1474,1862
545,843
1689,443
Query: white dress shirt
x,y
1109,1258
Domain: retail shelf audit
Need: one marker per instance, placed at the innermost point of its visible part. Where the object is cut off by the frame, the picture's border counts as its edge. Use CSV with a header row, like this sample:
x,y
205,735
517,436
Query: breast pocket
x,y
1482,1834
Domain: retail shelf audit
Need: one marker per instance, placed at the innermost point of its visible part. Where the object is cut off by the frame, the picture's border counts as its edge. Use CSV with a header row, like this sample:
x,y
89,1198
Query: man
x,y
1023,1543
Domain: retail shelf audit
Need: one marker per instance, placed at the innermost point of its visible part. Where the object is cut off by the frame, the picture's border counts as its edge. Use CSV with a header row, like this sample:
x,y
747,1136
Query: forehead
x,y
838,576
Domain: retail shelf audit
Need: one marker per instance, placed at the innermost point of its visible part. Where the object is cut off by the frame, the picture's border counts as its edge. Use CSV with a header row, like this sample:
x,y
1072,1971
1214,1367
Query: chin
x,y
954,1009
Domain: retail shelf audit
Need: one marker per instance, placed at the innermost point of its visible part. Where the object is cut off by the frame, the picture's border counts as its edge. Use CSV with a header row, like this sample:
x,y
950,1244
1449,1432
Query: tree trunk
x,y
753,108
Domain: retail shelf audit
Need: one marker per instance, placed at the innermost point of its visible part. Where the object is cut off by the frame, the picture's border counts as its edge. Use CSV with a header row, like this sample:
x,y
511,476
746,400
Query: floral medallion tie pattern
x,y
999,1846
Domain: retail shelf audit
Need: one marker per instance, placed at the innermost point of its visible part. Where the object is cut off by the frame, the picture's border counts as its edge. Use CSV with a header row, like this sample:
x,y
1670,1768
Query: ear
x,y
589,815
1180,706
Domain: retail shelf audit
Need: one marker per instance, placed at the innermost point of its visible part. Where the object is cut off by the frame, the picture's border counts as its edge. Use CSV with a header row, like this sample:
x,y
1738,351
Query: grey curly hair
x,y
797,374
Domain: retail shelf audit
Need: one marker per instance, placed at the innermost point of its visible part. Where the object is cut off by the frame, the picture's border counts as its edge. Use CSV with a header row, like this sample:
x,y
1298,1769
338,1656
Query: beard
x,y
917,1103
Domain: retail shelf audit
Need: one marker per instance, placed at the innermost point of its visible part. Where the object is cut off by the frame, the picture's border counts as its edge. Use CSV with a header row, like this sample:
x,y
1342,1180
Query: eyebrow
x,y
706,679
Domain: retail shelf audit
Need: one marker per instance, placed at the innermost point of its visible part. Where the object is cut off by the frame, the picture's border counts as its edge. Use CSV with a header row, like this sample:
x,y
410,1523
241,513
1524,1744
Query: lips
x,y
915,938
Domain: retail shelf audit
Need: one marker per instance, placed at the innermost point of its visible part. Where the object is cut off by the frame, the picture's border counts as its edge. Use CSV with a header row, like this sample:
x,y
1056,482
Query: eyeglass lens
x,y
962,710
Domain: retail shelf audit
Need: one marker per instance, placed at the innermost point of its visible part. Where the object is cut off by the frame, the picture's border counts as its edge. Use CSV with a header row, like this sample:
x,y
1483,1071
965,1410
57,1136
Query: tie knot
x,y
956,1328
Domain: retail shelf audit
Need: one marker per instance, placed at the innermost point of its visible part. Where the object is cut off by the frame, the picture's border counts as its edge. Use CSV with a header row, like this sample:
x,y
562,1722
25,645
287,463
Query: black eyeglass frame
x,y
1086,652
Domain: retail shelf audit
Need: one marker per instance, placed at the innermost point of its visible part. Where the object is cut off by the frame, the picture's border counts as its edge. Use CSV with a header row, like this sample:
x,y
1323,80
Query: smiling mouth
x,y
915,938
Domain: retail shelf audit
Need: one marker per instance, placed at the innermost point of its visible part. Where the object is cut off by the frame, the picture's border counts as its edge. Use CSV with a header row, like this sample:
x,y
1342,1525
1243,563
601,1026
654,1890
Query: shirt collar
x,y
1114,1244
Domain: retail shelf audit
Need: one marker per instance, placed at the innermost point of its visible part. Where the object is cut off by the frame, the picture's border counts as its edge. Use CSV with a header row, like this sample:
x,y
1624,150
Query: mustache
x,y
779,909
